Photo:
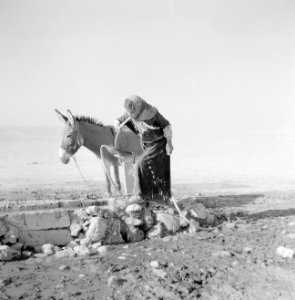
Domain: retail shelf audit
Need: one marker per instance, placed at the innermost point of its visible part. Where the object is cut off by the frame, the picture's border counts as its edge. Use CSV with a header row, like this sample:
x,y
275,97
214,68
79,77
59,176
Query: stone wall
x,y
83,231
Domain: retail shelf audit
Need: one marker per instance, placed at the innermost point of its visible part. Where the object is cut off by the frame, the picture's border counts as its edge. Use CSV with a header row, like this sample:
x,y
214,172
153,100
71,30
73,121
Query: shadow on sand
x,y
273,213
220,201
236,201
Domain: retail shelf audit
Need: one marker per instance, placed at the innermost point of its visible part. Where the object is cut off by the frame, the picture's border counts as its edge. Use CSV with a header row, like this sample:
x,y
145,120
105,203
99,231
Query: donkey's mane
x,y
89,120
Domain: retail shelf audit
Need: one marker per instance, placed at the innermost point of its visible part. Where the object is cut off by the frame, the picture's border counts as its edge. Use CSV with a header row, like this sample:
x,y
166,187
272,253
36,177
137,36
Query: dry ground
x,y
237,262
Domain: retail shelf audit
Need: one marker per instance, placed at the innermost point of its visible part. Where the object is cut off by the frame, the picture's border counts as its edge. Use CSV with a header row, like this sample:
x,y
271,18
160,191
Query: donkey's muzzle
x,y
64,156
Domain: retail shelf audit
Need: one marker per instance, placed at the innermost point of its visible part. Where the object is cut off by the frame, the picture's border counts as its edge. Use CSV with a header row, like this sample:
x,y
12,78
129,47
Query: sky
x,y
205,64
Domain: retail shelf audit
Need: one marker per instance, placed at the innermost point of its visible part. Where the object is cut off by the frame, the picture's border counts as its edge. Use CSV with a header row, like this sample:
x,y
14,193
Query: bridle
x,y
78,143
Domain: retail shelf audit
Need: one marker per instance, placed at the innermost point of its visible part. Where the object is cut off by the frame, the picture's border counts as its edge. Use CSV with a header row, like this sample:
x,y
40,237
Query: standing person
x,y
155,136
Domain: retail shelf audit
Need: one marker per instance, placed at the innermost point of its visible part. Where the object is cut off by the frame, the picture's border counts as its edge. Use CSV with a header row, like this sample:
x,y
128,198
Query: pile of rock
x,y
87,230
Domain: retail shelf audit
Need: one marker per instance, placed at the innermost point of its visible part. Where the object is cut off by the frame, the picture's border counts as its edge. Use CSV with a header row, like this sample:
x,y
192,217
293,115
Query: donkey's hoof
x,y
107,195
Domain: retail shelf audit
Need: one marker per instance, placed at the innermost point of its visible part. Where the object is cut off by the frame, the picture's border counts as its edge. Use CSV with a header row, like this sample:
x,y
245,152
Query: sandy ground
x,y
238,261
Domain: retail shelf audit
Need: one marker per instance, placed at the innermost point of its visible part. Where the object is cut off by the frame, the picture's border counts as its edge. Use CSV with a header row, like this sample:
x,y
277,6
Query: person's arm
x,y
168,135
121,120
167,131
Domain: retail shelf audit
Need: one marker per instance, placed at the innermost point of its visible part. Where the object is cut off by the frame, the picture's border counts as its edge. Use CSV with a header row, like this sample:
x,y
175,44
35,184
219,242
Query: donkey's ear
x,y
62,117
71,118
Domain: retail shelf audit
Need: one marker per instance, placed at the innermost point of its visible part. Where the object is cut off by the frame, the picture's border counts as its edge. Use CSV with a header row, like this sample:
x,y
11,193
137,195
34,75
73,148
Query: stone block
x,y
37,238
40,220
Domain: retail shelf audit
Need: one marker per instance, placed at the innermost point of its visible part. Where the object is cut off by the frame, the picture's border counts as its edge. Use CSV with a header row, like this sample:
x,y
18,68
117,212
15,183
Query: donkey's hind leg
x,y
117,176
108,184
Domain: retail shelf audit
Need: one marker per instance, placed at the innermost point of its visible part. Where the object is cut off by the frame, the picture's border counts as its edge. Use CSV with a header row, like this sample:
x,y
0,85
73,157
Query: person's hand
x,y
169,148
117,126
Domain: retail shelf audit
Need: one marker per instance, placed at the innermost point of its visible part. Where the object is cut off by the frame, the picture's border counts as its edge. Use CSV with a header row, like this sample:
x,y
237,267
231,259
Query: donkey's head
x,y
71,140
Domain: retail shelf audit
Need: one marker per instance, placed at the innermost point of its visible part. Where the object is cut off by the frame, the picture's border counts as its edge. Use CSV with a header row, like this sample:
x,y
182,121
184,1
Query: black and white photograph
x,y
147,149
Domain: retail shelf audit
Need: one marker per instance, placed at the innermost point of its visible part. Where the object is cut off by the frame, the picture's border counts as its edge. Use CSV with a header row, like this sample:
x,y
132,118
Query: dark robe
x,y
154,172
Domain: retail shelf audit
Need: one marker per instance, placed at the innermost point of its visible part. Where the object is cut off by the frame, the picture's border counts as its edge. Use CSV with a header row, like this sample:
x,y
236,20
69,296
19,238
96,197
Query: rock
x,y
7,253
171,223
199,211
221,254
155,264
3,227
65,253
93,210
81,236
97,230
231,226
40,255
72,244
247,250
291,224
160,273
86,223
75,229
12,239
227,232
79,216
134,234
96,245
64,268
148,220
194,226
82,251
133,222
115,281
27,254
113,234
133,208
106,213
285,252
47,249
102,250
290,236
156,232
183,223
18,246
210,220
85,242
56,248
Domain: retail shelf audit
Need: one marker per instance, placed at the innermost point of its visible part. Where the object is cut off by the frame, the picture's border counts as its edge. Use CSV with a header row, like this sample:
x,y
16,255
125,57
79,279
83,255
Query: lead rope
x,y
75,160
85,180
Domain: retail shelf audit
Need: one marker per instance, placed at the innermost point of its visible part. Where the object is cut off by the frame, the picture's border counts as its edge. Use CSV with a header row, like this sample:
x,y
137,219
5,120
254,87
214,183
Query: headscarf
x,y
138,109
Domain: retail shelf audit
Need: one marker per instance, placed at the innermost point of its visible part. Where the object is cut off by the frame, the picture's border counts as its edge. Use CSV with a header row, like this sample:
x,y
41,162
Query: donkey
x,y
92,134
